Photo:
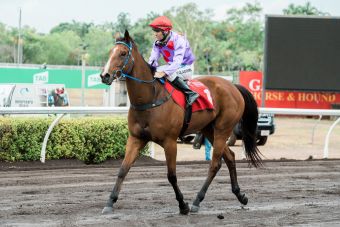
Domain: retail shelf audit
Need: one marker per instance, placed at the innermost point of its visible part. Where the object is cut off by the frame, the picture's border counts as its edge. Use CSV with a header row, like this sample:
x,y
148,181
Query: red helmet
x,y
162,23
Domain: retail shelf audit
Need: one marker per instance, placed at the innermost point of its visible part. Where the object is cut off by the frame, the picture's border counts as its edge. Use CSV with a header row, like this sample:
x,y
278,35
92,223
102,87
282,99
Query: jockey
x,y
176,51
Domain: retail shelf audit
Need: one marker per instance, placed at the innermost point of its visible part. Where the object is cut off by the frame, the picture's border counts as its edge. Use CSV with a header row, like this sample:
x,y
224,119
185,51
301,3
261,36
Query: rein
x,y
139,107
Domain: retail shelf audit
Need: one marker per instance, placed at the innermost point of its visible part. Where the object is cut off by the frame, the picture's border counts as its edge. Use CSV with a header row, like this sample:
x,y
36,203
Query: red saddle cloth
x,y
203,102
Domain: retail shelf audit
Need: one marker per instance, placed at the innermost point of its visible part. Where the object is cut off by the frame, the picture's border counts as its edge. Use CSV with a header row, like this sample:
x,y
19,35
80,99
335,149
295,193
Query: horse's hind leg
x,y
170,148
229,158
218,141
133,146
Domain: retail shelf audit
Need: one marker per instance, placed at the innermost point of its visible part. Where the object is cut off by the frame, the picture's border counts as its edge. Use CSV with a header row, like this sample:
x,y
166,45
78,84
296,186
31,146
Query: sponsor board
x,y
252,80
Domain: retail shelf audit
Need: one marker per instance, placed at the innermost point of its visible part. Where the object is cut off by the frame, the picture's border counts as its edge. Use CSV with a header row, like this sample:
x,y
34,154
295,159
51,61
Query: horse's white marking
x,y
107,66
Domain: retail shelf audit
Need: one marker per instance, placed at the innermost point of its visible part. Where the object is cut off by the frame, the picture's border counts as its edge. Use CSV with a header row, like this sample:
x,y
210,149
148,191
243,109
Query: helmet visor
x,y
156,29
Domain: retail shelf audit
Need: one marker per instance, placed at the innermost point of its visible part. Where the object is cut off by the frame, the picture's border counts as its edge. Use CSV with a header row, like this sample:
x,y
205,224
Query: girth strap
x,y
153,104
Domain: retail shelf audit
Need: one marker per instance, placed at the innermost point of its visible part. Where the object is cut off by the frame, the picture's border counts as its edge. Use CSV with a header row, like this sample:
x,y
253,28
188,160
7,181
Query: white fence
x,y
61,111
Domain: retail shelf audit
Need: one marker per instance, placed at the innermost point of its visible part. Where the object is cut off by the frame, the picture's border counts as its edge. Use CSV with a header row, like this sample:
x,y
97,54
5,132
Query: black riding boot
x,y
190,95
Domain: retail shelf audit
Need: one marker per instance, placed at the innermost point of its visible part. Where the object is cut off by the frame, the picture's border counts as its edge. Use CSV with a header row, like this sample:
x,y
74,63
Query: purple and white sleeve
x,y
155,54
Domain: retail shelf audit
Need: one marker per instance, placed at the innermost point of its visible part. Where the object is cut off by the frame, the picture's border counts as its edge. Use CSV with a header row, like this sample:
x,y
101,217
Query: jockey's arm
x,y
178,57
155,54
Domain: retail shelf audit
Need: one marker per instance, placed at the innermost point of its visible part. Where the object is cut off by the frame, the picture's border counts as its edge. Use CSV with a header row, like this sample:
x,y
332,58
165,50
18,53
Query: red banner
x,y
252,80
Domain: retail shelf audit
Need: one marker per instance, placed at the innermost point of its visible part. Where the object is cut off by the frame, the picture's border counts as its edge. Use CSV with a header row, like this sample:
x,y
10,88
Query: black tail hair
x,y
249,127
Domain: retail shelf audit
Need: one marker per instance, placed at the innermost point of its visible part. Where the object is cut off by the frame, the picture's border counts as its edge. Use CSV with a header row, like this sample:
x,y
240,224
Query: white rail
x,y
63,110
290,111
123,110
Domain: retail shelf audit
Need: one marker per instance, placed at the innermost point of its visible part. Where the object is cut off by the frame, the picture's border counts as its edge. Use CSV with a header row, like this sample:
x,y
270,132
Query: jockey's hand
x,y
160,74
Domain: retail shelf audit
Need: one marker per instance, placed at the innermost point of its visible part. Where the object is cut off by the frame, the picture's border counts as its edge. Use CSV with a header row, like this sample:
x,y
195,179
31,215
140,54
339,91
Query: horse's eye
x,y
123,54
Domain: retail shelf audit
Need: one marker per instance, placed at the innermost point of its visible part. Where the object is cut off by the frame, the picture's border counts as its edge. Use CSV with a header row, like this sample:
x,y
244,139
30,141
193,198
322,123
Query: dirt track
x,y
68,193
292,140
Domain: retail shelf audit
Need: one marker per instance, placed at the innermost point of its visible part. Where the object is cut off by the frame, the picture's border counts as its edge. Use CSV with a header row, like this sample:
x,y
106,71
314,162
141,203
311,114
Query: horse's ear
x,y
127,36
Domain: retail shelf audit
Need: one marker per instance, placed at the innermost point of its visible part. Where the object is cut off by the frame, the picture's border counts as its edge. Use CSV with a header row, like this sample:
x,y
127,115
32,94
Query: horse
x,y
153,116
57,98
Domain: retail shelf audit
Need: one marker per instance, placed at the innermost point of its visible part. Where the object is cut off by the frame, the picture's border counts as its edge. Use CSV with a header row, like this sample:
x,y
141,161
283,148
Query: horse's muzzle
x,y
106,79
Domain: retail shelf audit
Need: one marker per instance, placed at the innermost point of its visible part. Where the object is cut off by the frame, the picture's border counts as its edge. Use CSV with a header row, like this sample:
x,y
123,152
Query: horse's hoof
x,y
194,209
184,210
243,199
107,210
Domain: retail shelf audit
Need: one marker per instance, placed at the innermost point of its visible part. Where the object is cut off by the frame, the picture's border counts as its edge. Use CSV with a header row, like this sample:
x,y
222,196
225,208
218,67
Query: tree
x,y
306,9
7,45
142,34
99,43
193,23
33,51
190,21
245,36
80,28
61,48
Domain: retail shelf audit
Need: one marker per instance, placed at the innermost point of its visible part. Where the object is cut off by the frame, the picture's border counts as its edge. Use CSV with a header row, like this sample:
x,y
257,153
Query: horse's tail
x,y
249,127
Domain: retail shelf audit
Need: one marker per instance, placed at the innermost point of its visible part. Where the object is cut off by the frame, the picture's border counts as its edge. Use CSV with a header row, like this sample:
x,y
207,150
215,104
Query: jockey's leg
x,y
180,84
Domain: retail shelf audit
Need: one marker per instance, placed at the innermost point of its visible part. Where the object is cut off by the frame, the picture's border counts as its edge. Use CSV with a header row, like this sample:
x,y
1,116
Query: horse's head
x,y
120,60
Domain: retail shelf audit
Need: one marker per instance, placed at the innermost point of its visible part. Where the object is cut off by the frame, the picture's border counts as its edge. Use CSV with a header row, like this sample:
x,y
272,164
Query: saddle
x,y
203,102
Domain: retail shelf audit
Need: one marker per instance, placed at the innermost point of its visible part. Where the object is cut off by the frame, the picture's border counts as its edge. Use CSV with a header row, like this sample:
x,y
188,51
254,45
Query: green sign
x,y
70,77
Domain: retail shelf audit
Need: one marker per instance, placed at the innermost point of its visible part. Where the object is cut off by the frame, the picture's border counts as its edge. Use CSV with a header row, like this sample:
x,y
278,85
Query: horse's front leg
x,y
170,148
133,146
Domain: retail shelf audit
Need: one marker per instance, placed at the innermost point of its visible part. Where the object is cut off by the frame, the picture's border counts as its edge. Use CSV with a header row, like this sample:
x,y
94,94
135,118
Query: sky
x,y
43,15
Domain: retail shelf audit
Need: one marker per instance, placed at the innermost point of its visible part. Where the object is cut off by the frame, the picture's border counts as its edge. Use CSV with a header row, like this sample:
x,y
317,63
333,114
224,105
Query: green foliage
x,y
190,21
62,48
233,44
7,42
92,140
20,139
99,43
32,47
306,9
81,29
123,23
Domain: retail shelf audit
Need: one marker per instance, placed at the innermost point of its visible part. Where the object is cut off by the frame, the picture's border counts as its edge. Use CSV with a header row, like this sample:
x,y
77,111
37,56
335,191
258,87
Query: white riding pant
x,y
185,72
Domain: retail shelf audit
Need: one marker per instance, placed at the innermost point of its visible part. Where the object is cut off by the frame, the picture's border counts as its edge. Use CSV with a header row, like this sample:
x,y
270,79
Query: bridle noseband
x,y
126,61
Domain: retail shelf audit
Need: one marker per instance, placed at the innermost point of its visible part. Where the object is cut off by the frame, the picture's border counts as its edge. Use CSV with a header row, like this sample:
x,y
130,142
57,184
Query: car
x,y
265,127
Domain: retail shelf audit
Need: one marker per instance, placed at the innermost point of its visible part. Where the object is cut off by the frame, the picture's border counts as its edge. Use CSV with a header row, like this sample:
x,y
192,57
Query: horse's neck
x,y
141,93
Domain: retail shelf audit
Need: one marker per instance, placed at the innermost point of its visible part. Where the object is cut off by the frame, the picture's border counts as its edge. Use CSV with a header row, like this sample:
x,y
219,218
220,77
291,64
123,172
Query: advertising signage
x,y
252,80
70,77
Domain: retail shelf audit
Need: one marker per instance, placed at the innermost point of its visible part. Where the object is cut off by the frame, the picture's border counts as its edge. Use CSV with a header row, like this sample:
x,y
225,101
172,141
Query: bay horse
x,y
153,116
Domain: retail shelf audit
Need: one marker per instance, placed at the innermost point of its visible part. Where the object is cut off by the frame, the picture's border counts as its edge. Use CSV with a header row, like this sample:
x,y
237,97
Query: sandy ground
x,y
293,139
282,193
297,193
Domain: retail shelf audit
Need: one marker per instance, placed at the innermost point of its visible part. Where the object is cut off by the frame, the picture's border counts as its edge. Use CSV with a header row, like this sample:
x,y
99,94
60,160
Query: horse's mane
x,y
122,39
152,68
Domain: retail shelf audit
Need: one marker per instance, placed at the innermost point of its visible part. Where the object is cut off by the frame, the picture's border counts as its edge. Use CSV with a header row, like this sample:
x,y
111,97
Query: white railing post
x,y
43,148
325,150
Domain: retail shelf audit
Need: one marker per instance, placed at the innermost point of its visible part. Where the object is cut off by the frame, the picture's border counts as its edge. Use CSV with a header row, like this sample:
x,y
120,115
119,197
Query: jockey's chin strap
x,y
139,107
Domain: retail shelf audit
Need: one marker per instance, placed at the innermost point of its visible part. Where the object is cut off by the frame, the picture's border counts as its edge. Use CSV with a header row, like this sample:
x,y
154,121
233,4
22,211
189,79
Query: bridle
x,y
126,62
139,107
118,73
